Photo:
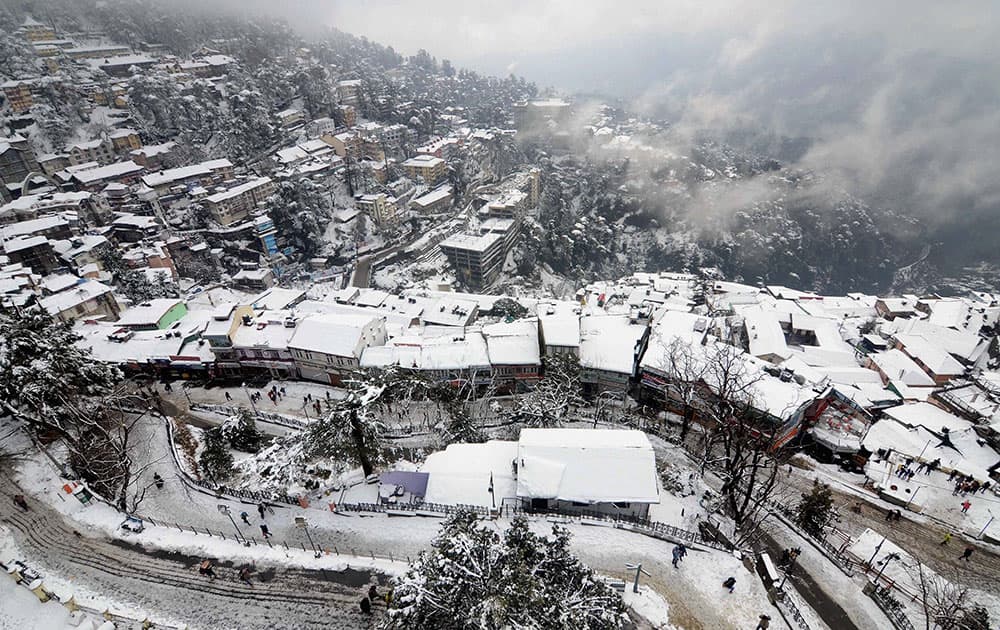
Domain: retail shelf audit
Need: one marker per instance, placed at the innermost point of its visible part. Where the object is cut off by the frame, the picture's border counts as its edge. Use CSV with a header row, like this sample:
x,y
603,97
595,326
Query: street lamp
x,y
885,563
638,569
877,548
250,398
301,523
222,507
987,525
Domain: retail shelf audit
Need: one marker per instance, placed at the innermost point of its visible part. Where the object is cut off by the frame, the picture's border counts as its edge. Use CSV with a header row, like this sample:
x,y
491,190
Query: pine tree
x,y
216,462
476,577
815,511
241,432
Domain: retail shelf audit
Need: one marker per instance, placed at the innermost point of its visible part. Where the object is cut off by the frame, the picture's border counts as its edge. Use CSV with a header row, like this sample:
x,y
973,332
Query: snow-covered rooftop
x,y
586,466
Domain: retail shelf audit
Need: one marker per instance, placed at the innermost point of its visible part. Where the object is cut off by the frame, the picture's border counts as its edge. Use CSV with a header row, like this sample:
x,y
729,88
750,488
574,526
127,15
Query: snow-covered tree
x,y
215,461
54,387
815,511
241,432
476,577
300,209
250,129
553,396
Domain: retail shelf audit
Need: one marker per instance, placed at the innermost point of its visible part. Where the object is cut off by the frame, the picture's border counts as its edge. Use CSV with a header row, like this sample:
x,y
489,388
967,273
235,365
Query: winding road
x,y
167,585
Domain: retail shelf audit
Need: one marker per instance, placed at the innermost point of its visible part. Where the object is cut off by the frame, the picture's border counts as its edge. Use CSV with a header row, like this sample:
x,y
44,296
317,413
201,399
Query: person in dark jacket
x,y
366,605
678,554
730,583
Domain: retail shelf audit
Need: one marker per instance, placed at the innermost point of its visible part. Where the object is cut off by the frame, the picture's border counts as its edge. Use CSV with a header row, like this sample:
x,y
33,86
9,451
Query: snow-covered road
x,y
167,587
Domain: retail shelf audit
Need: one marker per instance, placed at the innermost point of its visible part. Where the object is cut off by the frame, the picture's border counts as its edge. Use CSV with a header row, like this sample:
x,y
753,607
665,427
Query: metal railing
x,y
893,609
268,416
840,558
313,544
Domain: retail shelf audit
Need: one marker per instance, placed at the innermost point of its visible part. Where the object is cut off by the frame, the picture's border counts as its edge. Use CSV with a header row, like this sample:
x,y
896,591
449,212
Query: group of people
x,y
368,600
893,515
315,402
965,484
789,556
261,509
207,568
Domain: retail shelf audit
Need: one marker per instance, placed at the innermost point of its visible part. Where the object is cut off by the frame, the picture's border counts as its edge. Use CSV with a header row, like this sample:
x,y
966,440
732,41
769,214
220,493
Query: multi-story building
x,y
476,258
290,118
234,205
437,200
268,235
202,174
96,52
18,94
428,168
90,151
125,140
326,348
32,251
380,207
16,162
92,177
514,354
349,92
35,31
88,299
347,144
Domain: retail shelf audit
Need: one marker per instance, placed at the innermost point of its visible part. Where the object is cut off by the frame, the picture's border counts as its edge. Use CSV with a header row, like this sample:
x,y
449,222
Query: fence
x,y
312,544
273,418
839,557
893,609
654,529
789,608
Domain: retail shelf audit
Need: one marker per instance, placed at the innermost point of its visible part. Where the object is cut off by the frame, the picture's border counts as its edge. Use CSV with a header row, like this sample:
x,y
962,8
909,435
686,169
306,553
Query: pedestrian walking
x,y
264,531
921,467
229,397
730,583
967,554
951,477
167,388
678,554
244,575
986,486
205,568
764,623
965,506
373,592
245,517
366,605
158,480
947,537
909,474
260,510
889,515
20,502
282,390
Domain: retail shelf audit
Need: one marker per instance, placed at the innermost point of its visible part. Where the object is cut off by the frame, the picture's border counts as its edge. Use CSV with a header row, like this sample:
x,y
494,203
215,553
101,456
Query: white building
x,y
327,347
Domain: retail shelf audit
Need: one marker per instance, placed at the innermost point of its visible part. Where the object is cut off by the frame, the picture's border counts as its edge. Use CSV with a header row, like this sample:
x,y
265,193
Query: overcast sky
x,y
902,97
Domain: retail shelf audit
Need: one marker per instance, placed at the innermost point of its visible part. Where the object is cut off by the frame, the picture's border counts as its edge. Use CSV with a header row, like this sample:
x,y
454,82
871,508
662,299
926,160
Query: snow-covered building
x,y
327,347
560,332
87,299
156,314
610,347
610,472
514,354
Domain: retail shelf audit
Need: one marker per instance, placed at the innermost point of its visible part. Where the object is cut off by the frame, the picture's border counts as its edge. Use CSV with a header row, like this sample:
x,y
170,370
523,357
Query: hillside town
x,y
304,286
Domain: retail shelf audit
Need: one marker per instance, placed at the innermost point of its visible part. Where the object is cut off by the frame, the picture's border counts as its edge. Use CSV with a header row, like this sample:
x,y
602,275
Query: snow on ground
x,y
290,404
935,494
648,604
21,610
47,616
843,590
